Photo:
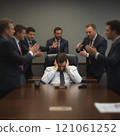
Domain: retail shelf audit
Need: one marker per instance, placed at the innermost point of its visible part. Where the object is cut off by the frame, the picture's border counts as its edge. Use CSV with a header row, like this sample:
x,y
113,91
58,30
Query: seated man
x,y
61,72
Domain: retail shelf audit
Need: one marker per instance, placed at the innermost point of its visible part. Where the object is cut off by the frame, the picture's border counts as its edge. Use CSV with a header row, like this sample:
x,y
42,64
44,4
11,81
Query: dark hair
x,y
114,25
19,28
57,28
4,23
61,57
91,25
30,29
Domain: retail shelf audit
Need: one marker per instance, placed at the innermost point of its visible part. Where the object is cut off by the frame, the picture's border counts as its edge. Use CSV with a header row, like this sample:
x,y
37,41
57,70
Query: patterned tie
x,y
20,54
62,80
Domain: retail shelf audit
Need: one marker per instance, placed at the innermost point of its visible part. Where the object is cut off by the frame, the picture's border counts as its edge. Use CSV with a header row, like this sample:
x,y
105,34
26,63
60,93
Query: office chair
x,y
50,58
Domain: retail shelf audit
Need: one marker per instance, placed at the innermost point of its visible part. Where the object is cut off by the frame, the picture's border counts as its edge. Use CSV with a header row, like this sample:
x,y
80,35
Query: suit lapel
x,y
26,42
96,41
14,42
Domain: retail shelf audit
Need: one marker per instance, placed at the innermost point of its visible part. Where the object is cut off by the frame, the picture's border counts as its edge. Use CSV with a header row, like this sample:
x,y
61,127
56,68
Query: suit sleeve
x,y
10,53
43,49
47,46
112,60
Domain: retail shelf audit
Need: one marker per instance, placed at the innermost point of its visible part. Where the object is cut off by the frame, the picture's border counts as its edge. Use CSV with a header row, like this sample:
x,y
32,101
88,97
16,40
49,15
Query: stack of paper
x,y
108,107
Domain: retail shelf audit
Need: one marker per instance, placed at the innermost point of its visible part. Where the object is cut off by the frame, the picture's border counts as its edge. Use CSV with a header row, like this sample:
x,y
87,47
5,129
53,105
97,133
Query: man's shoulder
x,y
72,67
50,68
101,38
2,39
51,40
62,39
24,41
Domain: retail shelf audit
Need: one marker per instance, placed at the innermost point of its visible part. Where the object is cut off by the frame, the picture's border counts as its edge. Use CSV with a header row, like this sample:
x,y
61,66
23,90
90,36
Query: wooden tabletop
x,y
29,102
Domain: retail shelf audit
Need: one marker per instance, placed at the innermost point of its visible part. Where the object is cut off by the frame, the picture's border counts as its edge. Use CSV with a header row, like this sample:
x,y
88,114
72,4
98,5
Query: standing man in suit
x,y
20,32
112,61
25,43
10,60
60,43
93,67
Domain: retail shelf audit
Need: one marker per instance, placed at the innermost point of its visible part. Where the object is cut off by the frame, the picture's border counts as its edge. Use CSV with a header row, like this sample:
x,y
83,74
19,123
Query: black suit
x,y
10,62
112,62
93,67
25,48
64,47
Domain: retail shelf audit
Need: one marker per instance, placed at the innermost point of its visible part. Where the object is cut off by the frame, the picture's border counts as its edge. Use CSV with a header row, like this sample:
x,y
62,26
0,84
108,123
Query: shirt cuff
x,y
96,56
87,55
31,53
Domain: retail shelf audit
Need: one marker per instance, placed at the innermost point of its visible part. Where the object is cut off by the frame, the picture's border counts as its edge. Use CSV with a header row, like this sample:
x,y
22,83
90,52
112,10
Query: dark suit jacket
x,y
94,68
112,62
25,48
10,62
64,47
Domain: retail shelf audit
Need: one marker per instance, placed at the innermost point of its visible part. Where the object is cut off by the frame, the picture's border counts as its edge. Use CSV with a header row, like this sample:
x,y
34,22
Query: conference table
x,y
48,102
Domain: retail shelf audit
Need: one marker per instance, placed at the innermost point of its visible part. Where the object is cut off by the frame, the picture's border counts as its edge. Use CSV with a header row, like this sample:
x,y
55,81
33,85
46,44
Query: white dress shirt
x,y
52,76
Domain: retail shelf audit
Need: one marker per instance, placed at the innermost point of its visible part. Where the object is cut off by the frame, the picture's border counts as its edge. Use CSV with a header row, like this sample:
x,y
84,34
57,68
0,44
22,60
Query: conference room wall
x,y
71,15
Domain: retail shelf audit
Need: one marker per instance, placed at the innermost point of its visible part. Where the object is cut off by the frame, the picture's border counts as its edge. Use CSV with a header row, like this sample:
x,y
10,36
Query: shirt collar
x,y
94,38
17,41
28,41
57,40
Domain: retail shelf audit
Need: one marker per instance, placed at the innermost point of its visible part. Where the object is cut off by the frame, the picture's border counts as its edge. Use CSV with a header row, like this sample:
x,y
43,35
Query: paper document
x,y
60,108
108,107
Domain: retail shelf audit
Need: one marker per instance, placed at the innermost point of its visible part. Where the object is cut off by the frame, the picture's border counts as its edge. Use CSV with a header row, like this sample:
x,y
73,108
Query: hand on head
x,y
56,65
67,65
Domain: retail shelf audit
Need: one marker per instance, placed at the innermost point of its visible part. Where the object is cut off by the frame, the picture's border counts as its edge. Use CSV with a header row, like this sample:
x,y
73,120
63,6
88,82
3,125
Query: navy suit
x,y
10,62
93,67
64,47
28,66
112,62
